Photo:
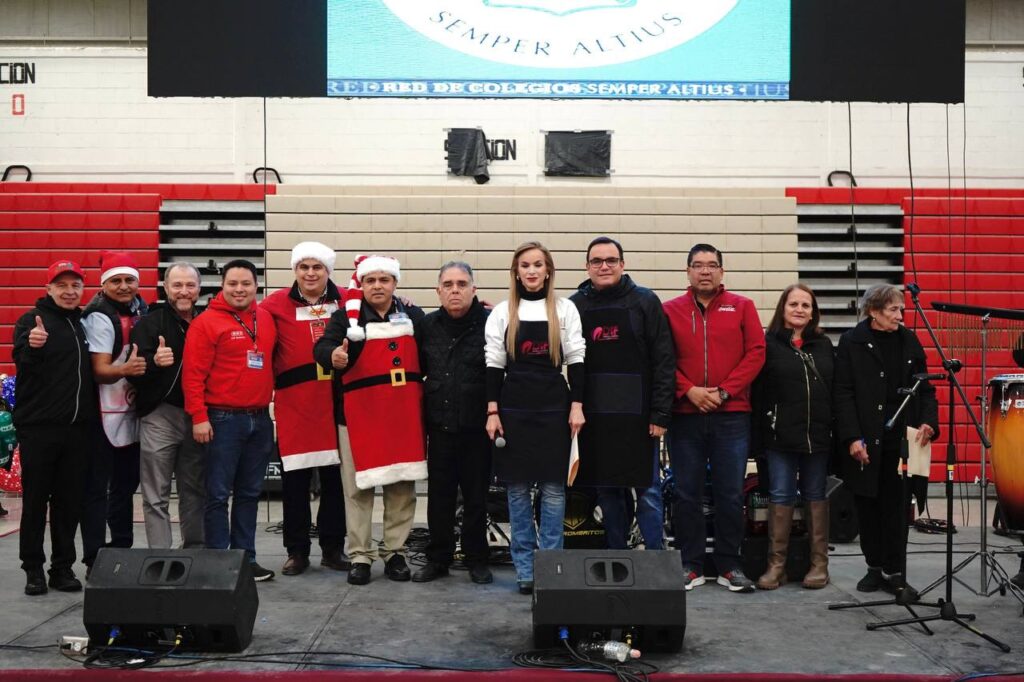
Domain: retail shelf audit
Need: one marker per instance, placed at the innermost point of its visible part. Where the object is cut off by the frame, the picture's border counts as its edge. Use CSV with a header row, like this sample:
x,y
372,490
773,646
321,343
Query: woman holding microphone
x,y
527,340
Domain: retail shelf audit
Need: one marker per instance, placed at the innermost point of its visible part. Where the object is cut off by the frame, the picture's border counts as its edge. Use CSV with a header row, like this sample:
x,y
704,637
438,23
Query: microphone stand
x,y
947,609
907,596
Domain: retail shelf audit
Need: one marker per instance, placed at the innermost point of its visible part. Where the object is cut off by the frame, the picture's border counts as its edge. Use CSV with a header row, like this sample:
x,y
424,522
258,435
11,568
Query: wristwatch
x,y
723,394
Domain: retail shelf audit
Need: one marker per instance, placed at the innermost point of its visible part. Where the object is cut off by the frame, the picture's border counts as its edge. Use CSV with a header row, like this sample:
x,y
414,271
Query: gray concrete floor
x,y
453,623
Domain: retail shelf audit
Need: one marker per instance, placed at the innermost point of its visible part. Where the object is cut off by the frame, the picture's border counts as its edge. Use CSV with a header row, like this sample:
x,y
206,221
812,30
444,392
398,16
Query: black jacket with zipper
x,y
54,383
159,384
452,358
792,396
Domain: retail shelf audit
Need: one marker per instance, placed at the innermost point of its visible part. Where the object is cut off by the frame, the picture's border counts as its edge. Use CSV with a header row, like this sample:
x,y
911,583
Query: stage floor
x,y
453,623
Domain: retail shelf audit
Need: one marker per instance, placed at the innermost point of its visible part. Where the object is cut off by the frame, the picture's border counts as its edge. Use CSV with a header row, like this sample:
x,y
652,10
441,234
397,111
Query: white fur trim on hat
x,y
316,251
120,270
376,263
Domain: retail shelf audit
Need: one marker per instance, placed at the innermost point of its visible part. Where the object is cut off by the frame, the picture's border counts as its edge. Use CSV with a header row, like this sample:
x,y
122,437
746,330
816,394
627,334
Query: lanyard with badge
x,y
254,357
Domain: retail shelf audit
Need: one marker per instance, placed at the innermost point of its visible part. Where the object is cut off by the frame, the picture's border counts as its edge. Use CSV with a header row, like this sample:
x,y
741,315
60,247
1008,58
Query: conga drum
x,y
1006,431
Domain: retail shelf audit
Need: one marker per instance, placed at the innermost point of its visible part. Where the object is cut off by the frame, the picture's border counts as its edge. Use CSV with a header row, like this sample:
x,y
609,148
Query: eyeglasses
x,y
712,267
598,262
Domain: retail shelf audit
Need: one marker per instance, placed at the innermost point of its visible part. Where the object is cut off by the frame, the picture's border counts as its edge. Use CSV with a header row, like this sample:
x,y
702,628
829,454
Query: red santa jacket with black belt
x,y
383,396
306,434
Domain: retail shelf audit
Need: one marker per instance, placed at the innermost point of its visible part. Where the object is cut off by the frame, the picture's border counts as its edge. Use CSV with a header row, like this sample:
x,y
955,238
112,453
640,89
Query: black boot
x,y
35,583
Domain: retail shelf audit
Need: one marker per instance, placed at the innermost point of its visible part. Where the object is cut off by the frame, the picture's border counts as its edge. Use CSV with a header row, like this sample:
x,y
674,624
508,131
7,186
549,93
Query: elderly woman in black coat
x,y
874,360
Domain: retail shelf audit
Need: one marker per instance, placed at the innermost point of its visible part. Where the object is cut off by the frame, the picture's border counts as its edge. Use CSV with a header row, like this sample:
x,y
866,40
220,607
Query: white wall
x,y
87,117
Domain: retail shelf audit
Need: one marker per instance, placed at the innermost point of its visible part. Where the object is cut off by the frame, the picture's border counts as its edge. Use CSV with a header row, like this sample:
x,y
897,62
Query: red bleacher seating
x,y
41,222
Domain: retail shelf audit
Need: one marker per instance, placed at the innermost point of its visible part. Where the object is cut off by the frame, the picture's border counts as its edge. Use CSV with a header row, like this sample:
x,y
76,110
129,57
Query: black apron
x,y
534,413
616,448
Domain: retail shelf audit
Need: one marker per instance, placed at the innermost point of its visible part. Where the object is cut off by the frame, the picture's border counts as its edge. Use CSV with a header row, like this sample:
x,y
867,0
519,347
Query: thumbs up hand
x,y
135,365
38,335
164,356
339,358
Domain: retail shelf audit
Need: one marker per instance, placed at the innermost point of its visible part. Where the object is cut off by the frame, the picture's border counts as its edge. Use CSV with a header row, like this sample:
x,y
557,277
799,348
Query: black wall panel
x,y
878,50
237,48
843,50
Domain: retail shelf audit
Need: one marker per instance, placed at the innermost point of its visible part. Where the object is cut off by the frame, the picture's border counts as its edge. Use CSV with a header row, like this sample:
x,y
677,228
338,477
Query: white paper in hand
x,y
919,458
574,460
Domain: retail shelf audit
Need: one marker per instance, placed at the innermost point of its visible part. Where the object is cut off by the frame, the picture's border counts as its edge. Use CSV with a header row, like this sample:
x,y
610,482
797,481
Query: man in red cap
x,y
113,474
54,415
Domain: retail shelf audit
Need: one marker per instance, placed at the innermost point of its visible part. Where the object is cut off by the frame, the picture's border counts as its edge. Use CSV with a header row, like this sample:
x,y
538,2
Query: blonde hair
x,y
554,327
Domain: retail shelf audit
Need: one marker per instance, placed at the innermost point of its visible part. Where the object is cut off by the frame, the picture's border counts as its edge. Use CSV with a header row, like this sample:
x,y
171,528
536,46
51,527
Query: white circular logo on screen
x,y
561,33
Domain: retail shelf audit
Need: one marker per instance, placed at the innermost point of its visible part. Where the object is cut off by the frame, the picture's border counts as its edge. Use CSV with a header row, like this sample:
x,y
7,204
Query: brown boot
x,y
780,521
817,517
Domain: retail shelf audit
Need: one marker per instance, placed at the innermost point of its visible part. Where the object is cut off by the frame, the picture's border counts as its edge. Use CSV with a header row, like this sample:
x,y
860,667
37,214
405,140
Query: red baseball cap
x,y
62,266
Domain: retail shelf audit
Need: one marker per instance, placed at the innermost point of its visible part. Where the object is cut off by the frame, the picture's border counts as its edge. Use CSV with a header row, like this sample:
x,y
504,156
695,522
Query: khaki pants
x,y
399,511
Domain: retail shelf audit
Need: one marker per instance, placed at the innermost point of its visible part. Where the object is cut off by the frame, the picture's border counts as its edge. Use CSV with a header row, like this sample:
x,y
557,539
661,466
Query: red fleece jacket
x,y
215,369
722,347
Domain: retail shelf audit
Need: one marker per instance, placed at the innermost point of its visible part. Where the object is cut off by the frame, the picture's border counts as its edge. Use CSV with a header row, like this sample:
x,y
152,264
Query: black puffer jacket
x,y
159,384
452,358
792,396
54,383
650,327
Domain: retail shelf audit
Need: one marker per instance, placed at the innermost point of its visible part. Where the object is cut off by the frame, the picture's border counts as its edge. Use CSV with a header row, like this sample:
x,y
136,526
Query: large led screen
x,y
598,49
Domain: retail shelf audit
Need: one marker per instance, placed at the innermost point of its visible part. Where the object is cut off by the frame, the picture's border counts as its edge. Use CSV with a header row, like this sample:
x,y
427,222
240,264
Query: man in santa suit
x,y
306,435
371,344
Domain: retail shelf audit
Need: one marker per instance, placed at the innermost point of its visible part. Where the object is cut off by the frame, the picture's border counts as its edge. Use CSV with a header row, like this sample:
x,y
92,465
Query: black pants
x,y
454,461
53,462
110,484
882,540
330,517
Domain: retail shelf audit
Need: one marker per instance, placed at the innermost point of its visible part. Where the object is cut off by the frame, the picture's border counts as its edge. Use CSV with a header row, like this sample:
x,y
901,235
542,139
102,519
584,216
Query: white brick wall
x,y
88,118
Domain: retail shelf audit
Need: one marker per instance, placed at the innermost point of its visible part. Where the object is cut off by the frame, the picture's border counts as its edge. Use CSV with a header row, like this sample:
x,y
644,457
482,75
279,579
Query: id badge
x,y
254,358
317,329
399,318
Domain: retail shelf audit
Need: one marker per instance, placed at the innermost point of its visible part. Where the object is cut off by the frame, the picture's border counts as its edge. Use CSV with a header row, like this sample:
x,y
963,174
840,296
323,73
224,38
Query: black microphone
x,y
913,288
928,377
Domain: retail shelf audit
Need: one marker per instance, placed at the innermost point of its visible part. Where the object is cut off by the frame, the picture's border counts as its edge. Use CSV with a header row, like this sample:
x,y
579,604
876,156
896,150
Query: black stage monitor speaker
x,y
607,594
152,595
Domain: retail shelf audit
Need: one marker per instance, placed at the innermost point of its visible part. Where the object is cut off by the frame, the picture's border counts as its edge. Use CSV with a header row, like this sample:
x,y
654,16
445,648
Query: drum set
x,y
975,329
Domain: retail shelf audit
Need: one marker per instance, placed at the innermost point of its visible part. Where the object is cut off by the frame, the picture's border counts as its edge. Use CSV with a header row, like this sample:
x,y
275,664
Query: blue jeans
x,y
782,476
615,506
524,533
721,438
650,510
236,466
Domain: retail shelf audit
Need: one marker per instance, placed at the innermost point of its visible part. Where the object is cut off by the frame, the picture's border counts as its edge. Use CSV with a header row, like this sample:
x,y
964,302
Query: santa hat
x,y
315,251
117,263
354,294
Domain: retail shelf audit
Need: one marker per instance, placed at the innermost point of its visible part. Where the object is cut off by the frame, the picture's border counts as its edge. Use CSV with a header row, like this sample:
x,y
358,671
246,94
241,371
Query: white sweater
x,y
574,347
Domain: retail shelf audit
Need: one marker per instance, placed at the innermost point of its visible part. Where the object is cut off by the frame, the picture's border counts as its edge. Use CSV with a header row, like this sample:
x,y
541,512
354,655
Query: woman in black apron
x,y
530,408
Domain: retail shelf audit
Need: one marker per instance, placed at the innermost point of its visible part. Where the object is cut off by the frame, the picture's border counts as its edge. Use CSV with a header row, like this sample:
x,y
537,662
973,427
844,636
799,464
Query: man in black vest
x,y
459,451
113,474
629,391
54,415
